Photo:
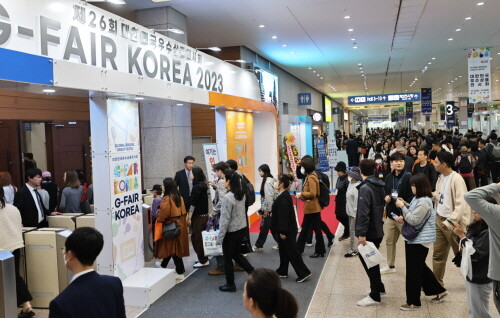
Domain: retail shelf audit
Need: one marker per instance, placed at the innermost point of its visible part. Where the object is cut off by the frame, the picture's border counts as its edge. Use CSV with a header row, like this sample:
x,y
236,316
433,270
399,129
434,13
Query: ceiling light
x,y
139,98
468,18
262,26
321,77
274,37
180,104
459,75
350,30
173,30
314,71
212,48
236,61
429,63
49,90
353,39
284,45
117,1
498,53
451,81
310,68
347,17
480,3
160,0
458,30
355,47
450,39
317,74
433,58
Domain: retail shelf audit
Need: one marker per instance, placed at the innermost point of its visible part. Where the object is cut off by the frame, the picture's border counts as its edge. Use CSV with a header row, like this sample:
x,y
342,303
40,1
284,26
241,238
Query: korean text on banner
x,y
240,147
426,101
409,110
478,60
211,155
323,160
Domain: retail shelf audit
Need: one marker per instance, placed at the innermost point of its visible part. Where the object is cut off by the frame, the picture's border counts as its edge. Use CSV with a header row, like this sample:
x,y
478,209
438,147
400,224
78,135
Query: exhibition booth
x,y
72,48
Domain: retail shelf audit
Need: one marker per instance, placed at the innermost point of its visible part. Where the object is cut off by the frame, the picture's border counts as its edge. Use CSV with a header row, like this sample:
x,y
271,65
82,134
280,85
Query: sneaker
x,y
407,307
343,238
244,255
439,298
257,249
303,279
179,278
387,270
367,301
309,244
351,254
200,265
276,247
282,275
227,288
216,272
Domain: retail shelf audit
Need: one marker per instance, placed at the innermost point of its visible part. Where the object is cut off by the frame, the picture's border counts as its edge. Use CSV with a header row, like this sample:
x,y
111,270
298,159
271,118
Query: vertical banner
x,y
451,114
239,132
332,146
401,115
322,158
409,110
442,112
478,61
125,178
327,107
426,101
470,110
211,155
463,112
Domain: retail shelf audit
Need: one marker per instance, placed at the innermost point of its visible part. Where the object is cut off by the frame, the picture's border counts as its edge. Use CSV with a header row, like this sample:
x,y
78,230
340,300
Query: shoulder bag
x,y
171,230
411,232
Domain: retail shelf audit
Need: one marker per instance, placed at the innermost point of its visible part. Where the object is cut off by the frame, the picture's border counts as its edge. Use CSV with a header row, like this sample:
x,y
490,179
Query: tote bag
x,y
370,254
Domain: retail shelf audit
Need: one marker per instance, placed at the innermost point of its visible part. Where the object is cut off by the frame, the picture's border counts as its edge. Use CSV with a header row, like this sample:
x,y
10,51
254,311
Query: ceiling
x,y
395,40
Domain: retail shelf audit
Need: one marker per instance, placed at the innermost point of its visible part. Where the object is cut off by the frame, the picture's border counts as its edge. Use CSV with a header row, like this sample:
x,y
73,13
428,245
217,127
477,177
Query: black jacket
x,y
480,259
370,209
283,219
340,198
409,161
199,198
403,187
24,202
429,170
183,184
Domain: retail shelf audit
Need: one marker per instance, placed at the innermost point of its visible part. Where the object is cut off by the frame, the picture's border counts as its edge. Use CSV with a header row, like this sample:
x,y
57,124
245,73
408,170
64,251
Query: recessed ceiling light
x,y
350,30
480,3
355,47
429,63
293,52
321,77
49,90
117,1
139,98
284,45
314,71
451,81
362,64
353,39
498,53
468,18
310,68
458,30
180,104
459,75
262,26
450,39
274,37
433,58
347,17
317,75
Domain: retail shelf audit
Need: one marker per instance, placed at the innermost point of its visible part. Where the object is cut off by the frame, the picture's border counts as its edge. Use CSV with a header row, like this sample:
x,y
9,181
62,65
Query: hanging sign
x,y
383,98
305,99
426,101
451,114
478,60
409,110
470,110
442,112
211,155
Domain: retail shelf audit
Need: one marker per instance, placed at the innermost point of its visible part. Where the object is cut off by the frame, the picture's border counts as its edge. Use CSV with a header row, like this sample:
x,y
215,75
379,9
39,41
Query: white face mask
x,y
349,178
302,170
378,161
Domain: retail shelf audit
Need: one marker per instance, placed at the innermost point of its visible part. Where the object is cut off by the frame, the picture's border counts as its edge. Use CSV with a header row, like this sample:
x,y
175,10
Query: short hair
x,y
232,164
422,185
221,166
308,165
401,149
425,151
397,156
85,243
186,158
367,167
445,157
29,155
436,142
481,141
33,172
493,136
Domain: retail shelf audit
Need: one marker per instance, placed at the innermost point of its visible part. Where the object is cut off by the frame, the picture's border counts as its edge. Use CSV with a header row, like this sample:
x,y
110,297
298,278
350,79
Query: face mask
x,y
379,161
302,170
349,178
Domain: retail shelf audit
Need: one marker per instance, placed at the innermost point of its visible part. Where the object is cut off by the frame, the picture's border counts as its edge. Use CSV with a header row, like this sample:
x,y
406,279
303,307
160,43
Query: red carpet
x,y
327,215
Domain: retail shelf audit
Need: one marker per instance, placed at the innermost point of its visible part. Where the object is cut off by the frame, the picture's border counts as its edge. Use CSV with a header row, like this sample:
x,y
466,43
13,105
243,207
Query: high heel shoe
x,y
316,255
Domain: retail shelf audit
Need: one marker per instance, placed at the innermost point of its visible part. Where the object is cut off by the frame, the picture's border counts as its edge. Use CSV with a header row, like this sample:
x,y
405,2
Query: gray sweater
x,y
491,214
70,200
232,216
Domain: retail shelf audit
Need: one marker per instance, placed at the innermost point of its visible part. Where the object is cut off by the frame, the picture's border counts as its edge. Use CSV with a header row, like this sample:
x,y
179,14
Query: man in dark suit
x,y
352,150
184,180
89,294
29,202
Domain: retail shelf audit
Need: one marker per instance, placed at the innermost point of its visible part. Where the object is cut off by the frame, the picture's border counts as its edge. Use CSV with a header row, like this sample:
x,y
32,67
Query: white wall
x,y
36,144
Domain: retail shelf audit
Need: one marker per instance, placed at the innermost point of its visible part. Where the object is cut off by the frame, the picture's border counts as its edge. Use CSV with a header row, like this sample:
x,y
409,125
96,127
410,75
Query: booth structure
x,y
124,66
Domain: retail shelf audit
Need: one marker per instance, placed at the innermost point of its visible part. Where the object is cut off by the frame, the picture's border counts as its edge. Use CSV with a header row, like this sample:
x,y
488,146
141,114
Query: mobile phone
x,y
450,221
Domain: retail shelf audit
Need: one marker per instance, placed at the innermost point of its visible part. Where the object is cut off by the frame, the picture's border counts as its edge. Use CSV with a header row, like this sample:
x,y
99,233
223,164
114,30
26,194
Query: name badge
x,y
394,194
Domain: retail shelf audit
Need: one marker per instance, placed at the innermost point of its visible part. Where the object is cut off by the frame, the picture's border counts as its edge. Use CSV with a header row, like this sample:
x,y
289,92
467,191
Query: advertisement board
x,y
327,107
268,87
211,155
478,61
239,132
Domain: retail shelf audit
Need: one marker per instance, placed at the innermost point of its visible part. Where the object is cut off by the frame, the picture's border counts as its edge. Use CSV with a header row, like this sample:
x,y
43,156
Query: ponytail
x,y
286,305
235,184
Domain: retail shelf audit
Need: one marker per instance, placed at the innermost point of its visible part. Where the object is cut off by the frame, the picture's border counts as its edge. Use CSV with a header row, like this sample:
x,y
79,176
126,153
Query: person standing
x,y
284,227
184,180
483,167
9,189
198,215
423,165
352,150
233,224
267,196
340,198
495,162
464,165
71,194
421,215
351,208
157,198
369,226
52,189
450,205
172,209
397,185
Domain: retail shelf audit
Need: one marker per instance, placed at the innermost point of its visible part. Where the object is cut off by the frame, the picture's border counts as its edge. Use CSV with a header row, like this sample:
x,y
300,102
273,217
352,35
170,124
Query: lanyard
x,y
396,185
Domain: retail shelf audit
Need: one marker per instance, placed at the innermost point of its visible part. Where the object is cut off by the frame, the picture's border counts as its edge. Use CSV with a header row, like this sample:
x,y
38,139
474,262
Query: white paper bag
x,y
466,263
210,247
370,254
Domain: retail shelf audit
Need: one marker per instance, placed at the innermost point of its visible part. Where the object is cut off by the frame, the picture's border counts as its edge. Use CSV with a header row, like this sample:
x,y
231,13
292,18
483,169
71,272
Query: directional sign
x,y
305,99
384,98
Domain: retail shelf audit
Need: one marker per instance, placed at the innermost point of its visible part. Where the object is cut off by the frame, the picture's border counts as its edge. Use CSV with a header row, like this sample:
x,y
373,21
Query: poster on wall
x,y
211,155
268,87
123,126
239,132
478,61
322,157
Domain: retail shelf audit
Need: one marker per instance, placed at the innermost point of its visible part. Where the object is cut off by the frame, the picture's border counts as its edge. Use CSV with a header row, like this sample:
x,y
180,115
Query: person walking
x,y
284,227
9,189
198,215
340,198
267,196
352,150
450,205
172,209
421,215
355,179
53,190
465,163
424,165
71,194
369,226
232,227
184,180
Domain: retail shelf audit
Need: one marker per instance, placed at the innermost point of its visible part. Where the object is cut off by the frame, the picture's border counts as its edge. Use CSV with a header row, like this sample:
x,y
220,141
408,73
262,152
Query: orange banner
x,y
239,131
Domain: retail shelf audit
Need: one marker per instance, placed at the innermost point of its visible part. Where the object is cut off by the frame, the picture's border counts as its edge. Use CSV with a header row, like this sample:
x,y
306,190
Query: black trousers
x,y
179,264
22,292
231,250
289,254
418,275
265,224
495,172
376,285
325,229
311,222
481,179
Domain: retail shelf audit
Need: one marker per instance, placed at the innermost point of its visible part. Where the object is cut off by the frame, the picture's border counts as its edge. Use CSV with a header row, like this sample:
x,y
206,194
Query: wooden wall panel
x,y
203,122
38,107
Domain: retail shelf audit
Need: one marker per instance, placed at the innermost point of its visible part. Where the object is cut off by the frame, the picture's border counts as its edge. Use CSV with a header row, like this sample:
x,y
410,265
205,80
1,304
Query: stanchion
x,y
7,285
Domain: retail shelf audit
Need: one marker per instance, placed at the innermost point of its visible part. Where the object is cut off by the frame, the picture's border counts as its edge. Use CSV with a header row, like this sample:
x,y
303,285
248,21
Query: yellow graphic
x,y
239,130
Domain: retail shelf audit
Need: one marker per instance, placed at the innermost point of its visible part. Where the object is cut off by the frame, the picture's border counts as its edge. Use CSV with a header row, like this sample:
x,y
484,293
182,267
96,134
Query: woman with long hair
x,y
172,209
71,194
413,152
232,225
9,188
263,296
198,214
267,195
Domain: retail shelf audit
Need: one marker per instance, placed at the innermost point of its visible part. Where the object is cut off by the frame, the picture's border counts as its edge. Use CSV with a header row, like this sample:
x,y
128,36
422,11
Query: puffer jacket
x,y
370,209
416,214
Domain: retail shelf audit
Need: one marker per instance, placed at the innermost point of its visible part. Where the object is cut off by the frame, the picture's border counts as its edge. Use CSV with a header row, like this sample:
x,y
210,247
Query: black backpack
x,y
464,166
324,189
249,190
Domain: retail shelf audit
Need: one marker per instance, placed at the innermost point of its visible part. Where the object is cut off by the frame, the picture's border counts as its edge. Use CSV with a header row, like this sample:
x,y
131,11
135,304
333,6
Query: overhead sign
x,y
327,106
426,101
305,99
378,118
478,61
442,112
268,87
409,110
384,98
211,155
451,114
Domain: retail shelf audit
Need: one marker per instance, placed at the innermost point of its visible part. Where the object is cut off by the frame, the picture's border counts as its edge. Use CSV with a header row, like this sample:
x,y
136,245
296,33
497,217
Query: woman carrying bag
x,y
267,196
421,216
172,209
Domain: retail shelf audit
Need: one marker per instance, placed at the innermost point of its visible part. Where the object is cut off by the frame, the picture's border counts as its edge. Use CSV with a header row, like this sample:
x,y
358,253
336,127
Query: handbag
x,y
411,232
84,202
209,239
171,230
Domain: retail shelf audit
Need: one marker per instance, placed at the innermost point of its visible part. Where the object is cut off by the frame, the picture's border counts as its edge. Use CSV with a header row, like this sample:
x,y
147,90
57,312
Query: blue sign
x,y
28,68
426,101
378,118
384,98
322,158
409,110
451,114
305,99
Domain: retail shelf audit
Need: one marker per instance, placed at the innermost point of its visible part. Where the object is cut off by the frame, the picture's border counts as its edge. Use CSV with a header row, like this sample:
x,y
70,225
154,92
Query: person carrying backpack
x,y
465,167
341,199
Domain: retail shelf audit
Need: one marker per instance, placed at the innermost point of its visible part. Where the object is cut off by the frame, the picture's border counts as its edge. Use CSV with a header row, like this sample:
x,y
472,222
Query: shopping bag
x,y
466,263
158,231
210,246
370,254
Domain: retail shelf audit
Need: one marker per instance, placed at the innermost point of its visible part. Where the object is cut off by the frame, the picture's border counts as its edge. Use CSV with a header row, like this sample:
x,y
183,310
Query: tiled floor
x,y
344,282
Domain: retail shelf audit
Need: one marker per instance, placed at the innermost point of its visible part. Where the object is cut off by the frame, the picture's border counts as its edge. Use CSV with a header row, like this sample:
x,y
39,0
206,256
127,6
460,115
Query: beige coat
x,y
310,192
169,212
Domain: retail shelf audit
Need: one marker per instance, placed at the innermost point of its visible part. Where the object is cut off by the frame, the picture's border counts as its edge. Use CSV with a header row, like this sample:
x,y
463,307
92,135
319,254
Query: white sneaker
x,y
257,249
179,278
309,244
367,301
200,265
387,270
276,247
